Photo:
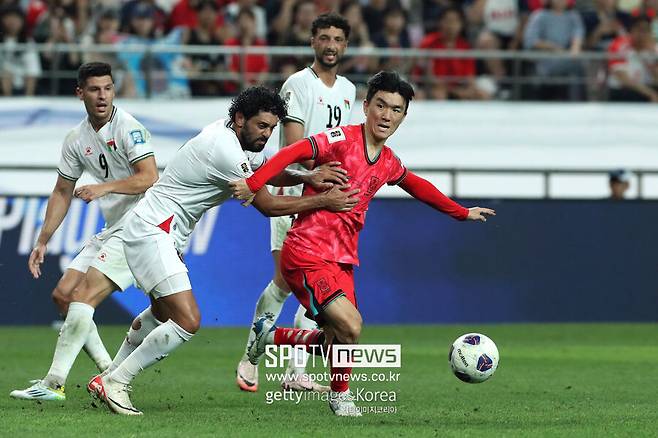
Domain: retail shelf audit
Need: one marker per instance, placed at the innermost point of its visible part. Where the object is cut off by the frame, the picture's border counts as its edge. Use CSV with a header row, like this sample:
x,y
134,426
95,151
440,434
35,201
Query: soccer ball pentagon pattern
x,y
473,357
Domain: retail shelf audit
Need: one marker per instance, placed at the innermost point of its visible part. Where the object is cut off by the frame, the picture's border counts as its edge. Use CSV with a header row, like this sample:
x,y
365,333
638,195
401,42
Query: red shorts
x,y
316,282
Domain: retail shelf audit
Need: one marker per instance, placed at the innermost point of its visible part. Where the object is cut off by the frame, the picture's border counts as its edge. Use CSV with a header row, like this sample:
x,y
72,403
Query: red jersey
x,y
334,236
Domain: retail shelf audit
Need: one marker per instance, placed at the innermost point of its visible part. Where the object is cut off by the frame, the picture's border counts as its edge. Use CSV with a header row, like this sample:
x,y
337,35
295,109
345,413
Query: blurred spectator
x,y
279,17
619,184
56,26
106,31
234,8
501,24
19,70
134,8
394,35
634,77
432,10
557,30
158,74
184,13
205,33
604,24
450,78
252,68
358,67
373,14
297,33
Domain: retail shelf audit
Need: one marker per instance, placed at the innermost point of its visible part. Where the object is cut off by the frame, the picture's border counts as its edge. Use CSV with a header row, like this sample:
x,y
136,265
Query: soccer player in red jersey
x,y
321,248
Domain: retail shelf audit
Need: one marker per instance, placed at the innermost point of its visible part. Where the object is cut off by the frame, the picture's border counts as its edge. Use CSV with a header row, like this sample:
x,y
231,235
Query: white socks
x,y
300,356
96,350
270,301
72,337
145,323
156,346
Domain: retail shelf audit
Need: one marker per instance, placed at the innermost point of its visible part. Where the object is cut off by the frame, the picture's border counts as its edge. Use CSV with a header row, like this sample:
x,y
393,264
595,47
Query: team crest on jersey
x,y
347,104
372,186
137,136
88,151
335,135
244,167
111,145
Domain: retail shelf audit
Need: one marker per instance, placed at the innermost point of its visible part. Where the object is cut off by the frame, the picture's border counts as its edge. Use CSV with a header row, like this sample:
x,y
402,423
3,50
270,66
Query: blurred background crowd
x,y
466,50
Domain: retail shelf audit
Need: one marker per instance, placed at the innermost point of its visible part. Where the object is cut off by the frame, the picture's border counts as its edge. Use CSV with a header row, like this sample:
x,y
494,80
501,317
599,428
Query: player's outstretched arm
x,y
295,153
425,191
146,174
335,199
58,206
321,178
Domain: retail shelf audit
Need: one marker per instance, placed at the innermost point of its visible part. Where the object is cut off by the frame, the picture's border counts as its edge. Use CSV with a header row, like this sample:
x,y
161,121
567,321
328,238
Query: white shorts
x,y
153,259
279,225
107,256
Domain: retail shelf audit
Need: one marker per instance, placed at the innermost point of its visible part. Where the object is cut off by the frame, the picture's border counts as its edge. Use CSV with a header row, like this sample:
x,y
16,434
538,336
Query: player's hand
x,y
90,192
326,176
241,190
338,199
479,214
36,259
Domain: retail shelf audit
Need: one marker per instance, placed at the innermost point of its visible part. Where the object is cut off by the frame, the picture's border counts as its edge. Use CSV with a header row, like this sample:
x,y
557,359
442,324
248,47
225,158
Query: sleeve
x,y
578,28
228,165
425,191
301,150
398,172
256,160
531,33
294,94
70,167
136,141
323,141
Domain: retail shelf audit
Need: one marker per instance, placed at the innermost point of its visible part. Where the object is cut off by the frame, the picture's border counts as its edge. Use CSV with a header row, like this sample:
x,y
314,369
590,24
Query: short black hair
x,y
93,69
392,82
331,19
256,99
639,19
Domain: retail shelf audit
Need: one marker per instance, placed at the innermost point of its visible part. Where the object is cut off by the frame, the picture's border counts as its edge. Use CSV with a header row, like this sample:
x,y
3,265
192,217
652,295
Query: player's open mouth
x,y
382,127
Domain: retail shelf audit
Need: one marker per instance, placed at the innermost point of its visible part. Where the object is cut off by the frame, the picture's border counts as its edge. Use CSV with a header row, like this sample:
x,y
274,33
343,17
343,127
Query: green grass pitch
x,y
572,380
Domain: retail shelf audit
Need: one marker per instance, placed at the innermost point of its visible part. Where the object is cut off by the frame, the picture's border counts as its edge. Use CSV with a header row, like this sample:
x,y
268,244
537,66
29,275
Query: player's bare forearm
x,y
58,206
289,177
321,178
146,174
335,199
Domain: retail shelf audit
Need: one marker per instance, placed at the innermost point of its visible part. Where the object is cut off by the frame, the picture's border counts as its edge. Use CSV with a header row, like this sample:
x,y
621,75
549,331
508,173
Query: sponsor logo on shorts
x,y
323,285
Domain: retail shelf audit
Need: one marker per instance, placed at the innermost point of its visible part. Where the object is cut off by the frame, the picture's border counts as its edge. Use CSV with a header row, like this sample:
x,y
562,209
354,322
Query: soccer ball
x,y
473,357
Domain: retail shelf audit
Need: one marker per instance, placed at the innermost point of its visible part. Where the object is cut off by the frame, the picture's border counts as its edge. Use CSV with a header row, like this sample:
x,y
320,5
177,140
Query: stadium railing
x,y
520,63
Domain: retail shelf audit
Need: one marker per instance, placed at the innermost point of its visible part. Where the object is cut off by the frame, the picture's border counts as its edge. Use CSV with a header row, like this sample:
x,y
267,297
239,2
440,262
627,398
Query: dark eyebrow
x,y
380,100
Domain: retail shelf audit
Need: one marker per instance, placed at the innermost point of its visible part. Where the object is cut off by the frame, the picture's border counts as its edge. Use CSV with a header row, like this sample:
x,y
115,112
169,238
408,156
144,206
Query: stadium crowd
x,y
626,29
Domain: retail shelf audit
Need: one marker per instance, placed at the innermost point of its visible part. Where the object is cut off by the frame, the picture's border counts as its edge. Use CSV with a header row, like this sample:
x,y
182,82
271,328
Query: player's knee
x,y
190,322
350,332
62,298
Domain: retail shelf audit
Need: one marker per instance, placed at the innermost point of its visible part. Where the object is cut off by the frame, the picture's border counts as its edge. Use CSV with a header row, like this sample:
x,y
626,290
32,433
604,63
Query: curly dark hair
x,y
393,83
93,69
255,99
326,21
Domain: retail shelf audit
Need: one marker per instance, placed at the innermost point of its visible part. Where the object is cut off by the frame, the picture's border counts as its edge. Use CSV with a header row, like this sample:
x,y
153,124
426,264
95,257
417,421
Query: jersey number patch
x,y
334,116
103,163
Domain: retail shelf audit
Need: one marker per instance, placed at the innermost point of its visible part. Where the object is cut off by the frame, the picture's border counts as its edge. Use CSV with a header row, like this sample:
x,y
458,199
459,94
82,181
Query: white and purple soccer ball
x,y
473,357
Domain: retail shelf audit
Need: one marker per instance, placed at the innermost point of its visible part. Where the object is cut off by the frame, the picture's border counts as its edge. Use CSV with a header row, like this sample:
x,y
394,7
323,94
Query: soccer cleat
x,y
113,394
262,328
302,382
247,376
39,391
342,404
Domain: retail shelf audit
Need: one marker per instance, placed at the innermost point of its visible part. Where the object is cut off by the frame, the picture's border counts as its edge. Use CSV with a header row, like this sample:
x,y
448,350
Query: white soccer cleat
x,y
39,391
262,328
114,394
342,404
247,376
302,382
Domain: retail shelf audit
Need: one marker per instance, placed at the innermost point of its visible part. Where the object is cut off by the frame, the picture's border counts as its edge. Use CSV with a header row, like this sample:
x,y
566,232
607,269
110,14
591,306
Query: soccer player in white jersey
x,y
318,99
116,150
197,179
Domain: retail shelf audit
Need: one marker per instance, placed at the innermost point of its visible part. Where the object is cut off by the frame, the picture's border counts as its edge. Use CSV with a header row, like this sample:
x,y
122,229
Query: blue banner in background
x,y
535,261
